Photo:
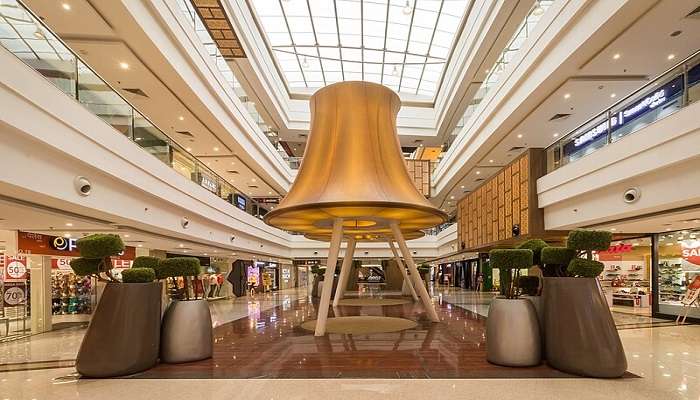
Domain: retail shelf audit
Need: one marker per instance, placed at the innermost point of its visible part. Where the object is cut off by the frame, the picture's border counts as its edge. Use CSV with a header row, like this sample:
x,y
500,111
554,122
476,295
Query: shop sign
x,y
208,183
15,269
121,264
47,245
14,296
286,274
620,248
62,264
63,244
663,95
690,251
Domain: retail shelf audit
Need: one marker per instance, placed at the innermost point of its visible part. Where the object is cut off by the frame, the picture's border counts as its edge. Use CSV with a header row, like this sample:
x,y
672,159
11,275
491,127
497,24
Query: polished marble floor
x,y
666,358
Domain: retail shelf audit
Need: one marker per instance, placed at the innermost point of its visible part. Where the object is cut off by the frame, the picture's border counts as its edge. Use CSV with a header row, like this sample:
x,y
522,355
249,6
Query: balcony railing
x,y
23,34
662,96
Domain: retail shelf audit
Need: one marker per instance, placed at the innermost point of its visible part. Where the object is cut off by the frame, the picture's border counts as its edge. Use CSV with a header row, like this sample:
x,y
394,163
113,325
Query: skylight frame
x,y
308,58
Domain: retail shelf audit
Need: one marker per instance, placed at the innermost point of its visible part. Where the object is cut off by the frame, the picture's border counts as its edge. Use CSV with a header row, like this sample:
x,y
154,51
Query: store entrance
x,y
626,278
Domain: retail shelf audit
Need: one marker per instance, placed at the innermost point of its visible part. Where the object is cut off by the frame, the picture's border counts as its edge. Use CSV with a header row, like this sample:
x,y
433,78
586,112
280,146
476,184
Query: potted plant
x,y
424,272
512,329
187,327
581,337
124,332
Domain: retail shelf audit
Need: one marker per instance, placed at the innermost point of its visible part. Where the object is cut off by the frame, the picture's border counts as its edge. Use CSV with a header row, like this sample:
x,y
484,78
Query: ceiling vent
x,y
516,148
478,179
557,117
253,186
695,14
418,141
233,171
185,133
303,135
135,91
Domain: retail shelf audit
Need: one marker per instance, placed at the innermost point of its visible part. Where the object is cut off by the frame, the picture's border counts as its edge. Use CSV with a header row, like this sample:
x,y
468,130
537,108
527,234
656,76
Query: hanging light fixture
x,y
395,71
538,10
407,10
305,63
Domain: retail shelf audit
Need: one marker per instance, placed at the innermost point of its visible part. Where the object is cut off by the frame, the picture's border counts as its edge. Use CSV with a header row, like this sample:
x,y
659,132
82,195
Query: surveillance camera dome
x,y
631,195
82,185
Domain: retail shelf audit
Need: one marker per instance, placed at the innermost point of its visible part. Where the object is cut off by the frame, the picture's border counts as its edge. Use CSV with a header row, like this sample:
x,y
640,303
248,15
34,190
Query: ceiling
x,y
402,44
626,63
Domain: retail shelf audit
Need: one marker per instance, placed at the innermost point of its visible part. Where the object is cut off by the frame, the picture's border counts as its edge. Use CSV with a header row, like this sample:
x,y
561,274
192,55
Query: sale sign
x,y
690,251
14,296
15,269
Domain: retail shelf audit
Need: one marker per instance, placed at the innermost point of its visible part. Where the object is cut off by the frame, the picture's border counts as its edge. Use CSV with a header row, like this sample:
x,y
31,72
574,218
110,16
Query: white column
x,y
422,291
40,293
399,263
328,277
344,271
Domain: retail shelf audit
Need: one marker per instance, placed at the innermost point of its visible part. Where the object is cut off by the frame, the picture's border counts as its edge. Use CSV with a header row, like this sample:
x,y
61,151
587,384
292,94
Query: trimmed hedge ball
x,y
582,268
138,275
511,258
85,266
589,240
146,262
178,266
529,284
100,245
536,245
557,255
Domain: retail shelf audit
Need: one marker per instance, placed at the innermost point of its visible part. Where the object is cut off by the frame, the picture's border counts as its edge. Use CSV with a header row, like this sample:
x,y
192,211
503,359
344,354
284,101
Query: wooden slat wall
x,y
486,216
420,171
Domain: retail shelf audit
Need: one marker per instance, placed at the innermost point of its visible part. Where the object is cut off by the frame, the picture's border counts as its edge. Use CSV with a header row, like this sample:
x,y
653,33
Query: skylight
x,y
401,44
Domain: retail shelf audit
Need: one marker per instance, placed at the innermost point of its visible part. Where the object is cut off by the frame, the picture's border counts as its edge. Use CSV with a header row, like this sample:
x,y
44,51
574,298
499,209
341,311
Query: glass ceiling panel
x,y
401,44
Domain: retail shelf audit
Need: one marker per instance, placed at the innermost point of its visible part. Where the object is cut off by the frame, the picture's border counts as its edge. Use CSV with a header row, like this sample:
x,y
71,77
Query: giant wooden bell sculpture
x,y
353,184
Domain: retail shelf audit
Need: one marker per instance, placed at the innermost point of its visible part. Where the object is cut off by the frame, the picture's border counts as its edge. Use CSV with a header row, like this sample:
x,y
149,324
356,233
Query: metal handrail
x,y
607,110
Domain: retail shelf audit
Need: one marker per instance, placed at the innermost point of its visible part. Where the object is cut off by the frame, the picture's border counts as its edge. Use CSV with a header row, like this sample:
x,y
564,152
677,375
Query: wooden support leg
x,y
420,287
344,271
328,277
406,279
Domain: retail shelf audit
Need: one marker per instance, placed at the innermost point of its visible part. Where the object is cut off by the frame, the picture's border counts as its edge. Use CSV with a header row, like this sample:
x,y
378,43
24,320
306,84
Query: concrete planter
x,y
124,334
513,333
581,337
187,332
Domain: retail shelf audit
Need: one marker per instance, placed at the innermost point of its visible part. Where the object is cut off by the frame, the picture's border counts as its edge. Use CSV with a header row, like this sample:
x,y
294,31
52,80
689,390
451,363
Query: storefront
x,y
626,277
677,275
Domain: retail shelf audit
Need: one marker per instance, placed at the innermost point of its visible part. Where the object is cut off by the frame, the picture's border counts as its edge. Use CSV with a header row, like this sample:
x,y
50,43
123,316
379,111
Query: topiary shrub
x,y
85,266
512,261
179,267
138,275
529,285
146,262
555,260
95,252
583,268
536,245
586,242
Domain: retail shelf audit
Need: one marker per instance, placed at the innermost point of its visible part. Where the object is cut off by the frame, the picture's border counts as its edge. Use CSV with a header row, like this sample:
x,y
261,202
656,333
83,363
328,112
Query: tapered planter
x,y
318,286
538,303
513,333
124,333
187,332
581,337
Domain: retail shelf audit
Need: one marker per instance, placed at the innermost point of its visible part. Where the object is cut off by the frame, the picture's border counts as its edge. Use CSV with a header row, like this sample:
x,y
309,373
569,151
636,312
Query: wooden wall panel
x,y
486,216
420,172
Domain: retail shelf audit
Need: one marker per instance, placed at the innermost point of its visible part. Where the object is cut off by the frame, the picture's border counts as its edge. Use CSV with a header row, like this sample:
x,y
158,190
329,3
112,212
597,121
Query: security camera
x,y
232,238
82,185
184,222
631,195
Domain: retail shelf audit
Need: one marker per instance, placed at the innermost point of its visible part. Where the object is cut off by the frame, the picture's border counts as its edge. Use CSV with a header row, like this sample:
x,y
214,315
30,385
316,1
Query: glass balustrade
x,y
25,36
661,97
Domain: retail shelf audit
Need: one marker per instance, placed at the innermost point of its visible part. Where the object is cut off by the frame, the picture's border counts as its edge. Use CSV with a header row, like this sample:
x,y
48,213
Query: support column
x,y
345,271
422,291
328,277
40,293
406,279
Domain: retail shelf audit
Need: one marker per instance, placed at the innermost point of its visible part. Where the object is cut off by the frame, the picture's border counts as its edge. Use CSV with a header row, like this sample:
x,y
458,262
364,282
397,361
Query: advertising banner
x,y
16,269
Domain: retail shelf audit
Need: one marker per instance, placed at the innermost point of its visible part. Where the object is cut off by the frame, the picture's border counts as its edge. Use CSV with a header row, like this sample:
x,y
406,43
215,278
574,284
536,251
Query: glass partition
x,y
661,97
25,36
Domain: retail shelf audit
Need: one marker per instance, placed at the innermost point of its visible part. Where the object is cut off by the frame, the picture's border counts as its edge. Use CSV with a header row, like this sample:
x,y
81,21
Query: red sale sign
x,y
691,251
15,269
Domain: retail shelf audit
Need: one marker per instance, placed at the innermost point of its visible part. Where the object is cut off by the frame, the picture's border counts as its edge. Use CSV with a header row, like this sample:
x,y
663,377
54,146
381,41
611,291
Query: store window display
x,y
626,277
679,267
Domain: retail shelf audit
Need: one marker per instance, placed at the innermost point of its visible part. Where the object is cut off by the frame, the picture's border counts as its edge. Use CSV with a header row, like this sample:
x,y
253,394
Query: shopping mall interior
x,y
343,199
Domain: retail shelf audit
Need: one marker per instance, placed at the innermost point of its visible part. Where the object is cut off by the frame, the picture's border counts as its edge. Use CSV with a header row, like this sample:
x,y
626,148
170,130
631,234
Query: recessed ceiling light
x,y
520,136
140,245
66,6
567,95
181,245
269,192
126,236
252,180
250,193
181,118
555,135
123,65
407,8
613,95
452,197
216,149
185,251
67,235
671,56
462,187
188,148
204,254
478,172
613,229
616,56
491,161
69,224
